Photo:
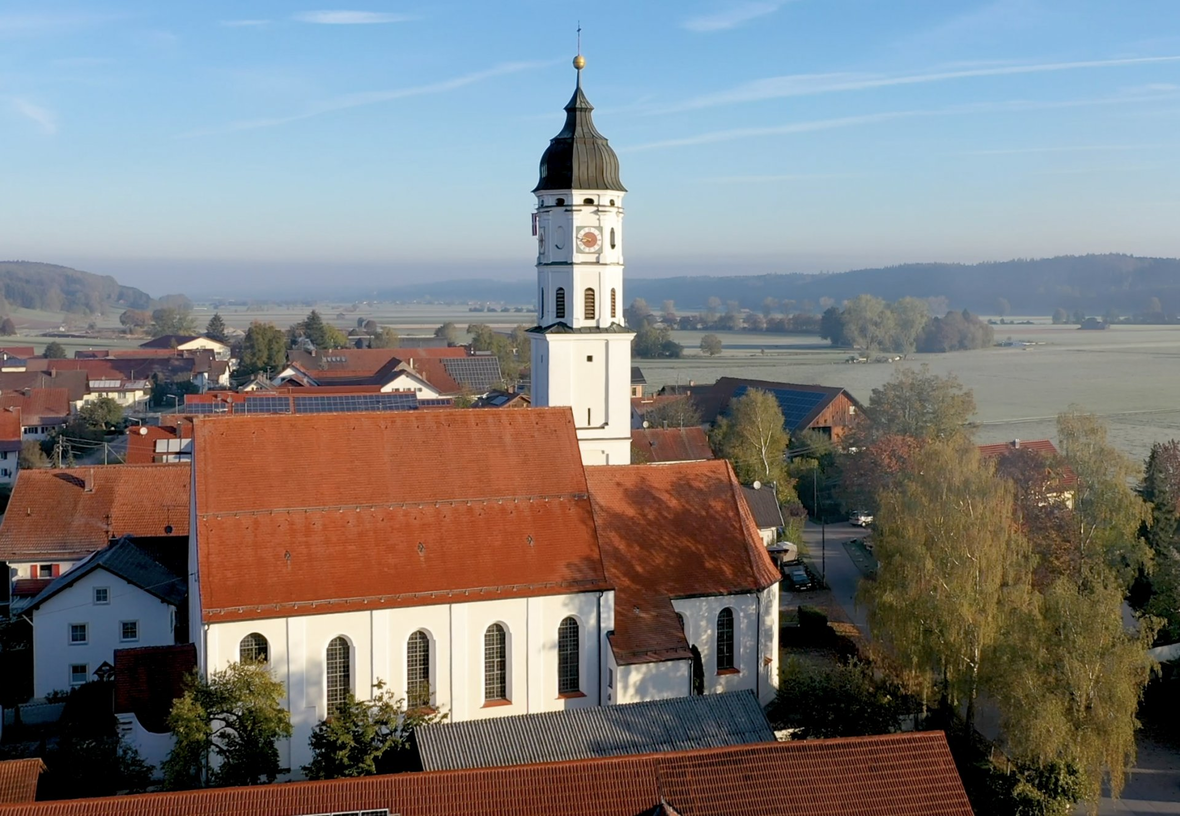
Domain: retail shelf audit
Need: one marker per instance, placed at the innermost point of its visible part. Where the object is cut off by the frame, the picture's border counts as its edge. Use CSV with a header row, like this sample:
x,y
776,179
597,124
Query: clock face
x,y
589,239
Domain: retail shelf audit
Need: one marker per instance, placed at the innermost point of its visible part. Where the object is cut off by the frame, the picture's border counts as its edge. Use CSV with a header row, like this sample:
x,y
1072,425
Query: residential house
x,y
116,598
503,399
42,410
638,381
663,445
640,406
76,383
428,372
1061,481
910,774
149,444
830,410
767,512
322,399
11,440
651,727
182,342
513,580
58,517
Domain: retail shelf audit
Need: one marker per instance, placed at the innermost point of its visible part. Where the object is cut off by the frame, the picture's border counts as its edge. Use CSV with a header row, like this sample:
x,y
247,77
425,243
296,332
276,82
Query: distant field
x,y
1128,374
407,319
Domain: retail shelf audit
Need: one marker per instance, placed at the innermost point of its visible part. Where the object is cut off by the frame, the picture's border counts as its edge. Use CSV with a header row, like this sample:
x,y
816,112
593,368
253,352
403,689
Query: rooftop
x,y
763,504
18,780
801,404
671,444
38,406
894,775
71,512
679,724
579,157
130,562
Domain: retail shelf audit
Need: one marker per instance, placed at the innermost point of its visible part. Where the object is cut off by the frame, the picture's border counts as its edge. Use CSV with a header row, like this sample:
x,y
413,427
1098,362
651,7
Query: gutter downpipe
x,y
601,641
758,647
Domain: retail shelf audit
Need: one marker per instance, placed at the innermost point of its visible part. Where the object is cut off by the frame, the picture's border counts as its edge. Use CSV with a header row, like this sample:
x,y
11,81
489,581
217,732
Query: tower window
x,y
559,202
613,301
612,202
612,237
559,296
587,201
588,303
541,308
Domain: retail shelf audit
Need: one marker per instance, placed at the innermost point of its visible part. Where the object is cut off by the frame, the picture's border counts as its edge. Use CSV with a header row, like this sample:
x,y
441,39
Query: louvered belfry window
x,y
559,310
588,304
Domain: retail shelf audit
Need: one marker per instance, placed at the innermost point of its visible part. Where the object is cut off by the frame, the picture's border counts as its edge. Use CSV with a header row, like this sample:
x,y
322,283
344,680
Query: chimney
x,y
1016,444
89,483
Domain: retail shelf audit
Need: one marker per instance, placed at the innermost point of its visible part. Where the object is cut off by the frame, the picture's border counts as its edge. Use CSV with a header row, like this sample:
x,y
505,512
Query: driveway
x,y
829,556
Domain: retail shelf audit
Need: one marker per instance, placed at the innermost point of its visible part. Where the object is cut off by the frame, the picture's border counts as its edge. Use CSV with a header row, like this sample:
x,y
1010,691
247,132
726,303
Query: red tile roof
x,y
1044,447
51,513
671,444
148,679
10,430
18,780
22,352
893,775
142,439
670,531
646,403
38,406
459,504
431,369
75,382
29,587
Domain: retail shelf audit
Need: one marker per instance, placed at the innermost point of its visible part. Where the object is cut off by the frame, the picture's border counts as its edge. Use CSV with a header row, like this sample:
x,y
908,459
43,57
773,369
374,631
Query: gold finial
x,y
579,62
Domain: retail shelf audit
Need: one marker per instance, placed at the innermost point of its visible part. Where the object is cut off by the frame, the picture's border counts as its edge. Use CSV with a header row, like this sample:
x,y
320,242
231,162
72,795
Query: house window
x,y
612,303
79,633
79,673
560,297
128,631
418,670
725,639
45,571
102,595
568,671
254,648
588,303
338,667
495,662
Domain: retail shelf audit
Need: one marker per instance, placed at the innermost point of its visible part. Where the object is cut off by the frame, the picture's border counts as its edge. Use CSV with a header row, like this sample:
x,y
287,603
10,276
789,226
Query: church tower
x,y
581,353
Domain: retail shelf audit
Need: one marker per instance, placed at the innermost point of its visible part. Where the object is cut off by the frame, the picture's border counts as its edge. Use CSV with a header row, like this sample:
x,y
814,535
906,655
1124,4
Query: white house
x,y
117,598
477,567
186,342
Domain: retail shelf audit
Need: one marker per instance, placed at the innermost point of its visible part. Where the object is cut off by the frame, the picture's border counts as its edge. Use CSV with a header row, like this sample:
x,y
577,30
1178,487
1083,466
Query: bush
x,y
813,622
849,700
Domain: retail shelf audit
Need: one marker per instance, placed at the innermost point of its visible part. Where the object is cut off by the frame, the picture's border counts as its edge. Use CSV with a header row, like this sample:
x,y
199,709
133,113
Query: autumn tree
x,y
674,413
7,326
448,331
711,345
385,338
921,405
264,349
366,737
172,320
637,314
135,319
215,329
953,568
234,718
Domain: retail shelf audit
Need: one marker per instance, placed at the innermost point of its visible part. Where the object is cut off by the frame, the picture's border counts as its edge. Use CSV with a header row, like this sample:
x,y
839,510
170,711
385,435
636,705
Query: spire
x,y
579,157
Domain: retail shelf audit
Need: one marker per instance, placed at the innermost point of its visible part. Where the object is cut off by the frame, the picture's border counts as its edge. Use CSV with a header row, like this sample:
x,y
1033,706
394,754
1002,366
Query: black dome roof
x,y
579,157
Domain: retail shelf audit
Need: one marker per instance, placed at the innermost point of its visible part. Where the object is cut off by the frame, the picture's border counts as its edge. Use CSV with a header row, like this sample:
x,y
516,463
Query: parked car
x,y
861,518
800,579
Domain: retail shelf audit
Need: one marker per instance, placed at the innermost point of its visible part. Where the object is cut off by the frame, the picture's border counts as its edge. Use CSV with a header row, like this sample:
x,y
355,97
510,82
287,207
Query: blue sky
x,y
216,147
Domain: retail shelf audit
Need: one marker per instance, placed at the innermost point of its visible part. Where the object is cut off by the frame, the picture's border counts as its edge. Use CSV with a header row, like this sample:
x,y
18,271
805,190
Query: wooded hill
x,y
53,288
1093,284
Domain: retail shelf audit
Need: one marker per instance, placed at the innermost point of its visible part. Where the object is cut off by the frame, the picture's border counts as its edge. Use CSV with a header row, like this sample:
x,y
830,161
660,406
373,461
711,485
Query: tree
x,y
384,338
653,342
818,702
921,405
54,351
101,414
1160,595
366,737
215,329
711,345
752,437
871,466
1060,316
1003,307
831,327
675,413
264,349
449,332
322,335
172,320
7,327
769,306
135,319
868,323
637,314
32,456
953,567
370,326
669,312
236,716
908,319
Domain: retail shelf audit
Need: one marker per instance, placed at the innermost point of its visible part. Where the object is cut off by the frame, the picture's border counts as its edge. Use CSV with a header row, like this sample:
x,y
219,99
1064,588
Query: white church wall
x,y
700,628
153,748
653,681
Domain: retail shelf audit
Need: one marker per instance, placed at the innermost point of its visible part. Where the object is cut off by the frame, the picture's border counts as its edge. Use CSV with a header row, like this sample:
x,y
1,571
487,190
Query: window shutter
x,y
56,570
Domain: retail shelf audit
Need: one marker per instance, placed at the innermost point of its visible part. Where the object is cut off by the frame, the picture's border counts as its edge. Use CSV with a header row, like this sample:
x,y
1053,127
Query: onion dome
x,y
579,157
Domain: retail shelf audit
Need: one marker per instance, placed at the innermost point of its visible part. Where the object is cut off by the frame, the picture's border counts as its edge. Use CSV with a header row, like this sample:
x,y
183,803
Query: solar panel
x,y
263,405
201,408
795,405
348,403
480,373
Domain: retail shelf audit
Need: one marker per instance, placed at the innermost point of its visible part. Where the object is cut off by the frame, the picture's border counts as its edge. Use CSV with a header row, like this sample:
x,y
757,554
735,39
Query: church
x,y
487,563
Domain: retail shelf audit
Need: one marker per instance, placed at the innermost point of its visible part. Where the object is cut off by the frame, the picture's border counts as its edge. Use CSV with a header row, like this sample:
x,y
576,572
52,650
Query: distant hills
x,y
1090,283
53,288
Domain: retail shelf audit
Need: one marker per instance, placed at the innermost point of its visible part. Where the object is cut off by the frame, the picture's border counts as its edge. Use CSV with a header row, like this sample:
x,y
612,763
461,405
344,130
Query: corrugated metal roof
x,y
684,723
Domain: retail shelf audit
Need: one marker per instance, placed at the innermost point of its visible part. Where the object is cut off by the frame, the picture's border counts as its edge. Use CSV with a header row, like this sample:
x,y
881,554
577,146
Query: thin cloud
x,y
356,100
733,16
351,17
37,24
1010,106
244,23
1060,149
43,117
814,84
780,177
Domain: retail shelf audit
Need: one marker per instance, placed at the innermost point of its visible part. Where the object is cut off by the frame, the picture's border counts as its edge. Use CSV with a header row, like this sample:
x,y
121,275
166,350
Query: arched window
x,y
338,671
612,202
725,639
613,300
588,303
253,649
569,679
559,296
495,663
612,237
418,670
559,203
587,201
